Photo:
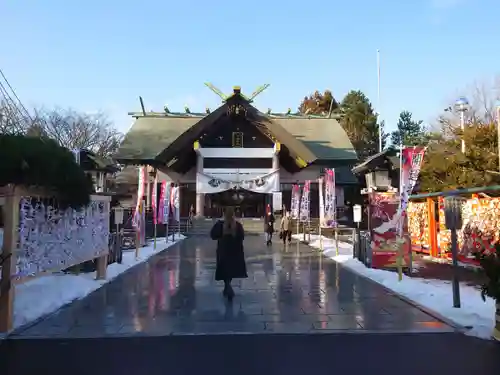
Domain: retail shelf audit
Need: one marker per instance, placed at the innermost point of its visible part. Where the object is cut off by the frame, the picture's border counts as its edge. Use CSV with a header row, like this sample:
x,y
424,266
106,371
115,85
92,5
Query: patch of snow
x,y
435,295
44,295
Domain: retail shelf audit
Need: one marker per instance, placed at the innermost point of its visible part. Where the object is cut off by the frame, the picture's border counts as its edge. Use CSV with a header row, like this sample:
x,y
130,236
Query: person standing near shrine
x,y
230,263
269,227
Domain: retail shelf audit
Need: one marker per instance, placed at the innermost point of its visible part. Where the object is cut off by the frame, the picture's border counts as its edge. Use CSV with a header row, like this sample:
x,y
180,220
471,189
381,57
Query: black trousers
x,y
286,235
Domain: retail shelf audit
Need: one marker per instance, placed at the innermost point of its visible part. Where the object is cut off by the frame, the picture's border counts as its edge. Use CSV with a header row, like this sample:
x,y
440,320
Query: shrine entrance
x,y
246,204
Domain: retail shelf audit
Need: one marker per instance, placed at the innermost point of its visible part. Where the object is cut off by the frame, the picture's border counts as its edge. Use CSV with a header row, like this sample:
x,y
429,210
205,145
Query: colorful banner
x,y
411,162
295,203
143,224
140,195
321,186
386,243
161,202
305,203
277,201
154,201
265,184
166,203
330,199
176,204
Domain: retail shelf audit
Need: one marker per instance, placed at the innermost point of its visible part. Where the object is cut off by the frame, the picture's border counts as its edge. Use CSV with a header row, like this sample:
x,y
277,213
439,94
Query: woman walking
x,y
269,227
285,230
230,256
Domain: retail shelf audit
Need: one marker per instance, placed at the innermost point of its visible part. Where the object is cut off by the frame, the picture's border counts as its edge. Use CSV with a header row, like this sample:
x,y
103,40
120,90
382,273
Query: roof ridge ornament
x,y
237,91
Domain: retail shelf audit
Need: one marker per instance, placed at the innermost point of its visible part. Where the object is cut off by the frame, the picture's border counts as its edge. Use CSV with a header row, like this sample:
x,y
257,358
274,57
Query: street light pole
x,y
462,126
462,105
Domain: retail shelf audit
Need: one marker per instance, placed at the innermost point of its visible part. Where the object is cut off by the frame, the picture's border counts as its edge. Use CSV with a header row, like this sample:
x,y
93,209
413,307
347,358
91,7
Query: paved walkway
x,y
289,290
142,323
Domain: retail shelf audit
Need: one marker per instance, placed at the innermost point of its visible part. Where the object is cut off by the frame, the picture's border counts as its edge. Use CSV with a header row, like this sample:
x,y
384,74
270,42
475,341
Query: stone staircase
x,y
203,226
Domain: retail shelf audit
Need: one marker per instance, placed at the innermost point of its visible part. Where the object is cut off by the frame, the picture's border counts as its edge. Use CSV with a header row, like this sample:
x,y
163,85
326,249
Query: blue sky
x,y
101,55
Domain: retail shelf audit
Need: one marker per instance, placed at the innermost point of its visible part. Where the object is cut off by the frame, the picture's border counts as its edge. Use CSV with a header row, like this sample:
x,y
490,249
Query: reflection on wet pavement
x,y
289,290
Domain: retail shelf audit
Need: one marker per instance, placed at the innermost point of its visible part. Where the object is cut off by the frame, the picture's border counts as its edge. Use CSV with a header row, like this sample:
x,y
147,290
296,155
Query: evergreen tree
x,y
409,132
360,123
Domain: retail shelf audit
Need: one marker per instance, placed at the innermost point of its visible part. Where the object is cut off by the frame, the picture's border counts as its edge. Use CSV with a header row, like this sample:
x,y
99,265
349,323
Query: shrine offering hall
x,y
237,156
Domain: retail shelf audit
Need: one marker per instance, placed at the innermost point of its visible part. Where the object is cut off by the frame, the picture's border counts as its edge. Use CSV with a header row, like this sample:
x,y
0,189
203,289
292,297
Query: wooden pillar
x,y
10,237
433,225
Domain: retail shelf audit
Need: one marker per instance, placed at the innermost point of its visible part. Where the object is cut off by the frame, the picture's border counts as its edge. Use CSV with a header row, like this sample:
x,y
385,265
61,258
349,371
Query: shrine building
x,y
237,155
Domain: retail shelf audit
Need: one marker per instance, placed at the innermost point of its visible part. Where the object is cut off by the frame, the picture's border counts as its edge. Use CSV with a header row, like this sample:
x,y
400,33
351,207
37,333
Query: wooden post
x,y
10,237
336,242
138,230
101,267
431,220
320,238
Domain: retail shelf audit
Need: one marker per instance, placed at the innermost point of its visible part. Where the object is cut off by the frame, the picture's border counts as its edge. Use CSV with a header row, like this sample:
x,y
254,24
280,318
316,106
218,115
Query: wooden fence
x,y
39,238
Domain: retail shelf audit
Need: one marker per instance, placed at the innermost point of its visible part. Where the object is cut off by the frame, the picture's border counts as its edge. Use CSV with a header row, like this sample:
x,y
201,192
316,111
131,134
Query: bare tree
x,y
13,120
73,129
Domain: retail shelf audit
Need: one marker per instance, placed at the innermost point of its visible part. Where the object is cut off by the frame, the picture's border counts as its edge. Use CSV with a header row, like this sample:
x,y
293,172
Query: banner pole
x,y
138,232
337,241
155,236
400,245
320,238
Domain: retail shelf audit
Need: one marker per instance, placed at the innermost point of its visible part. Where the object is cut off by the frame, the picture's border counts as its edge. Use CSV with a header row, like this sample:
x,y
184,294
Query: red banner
x,y
386,245
411,163
161,202
154,203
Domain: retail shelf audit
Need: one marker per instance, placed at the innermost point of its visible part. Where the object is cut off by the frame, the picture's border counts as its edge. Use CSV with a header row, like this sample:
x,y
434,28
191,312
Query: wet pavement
x,y
289,290
168,316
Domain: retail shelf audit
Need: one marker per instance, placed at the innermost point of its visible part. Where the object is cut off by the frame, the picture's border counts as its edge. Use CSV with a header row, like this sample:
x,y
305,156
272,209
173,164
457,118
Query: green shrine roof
x,y
160,136
150,135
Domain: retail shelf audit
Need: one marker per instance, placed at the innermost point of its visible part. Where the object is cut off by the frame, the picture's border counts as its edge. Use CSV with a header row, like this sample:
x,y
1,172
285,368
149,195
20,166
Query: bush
x,y
489,259
41,162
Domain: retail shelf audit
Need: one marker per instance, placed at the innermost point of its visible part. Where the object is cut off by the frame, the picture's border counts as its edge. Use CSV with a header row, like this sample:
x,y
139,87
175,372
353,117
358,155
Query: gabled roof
x,y
149,136
92,162
387,159
161,136
325,137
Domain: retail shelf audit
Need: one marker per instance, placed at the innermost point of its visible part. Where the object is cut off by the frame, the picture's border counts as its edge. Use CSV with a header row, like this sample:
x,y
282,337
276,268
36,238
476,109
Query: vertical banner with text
x,y
305,203
136,219
330,199
161,202
154,200
294,204
386,243
411,163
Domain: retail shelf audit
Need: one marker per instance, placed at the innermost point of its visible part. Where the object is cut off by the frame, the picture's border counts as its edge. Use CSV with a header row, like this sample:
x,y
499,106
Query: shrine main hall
x,y
237,156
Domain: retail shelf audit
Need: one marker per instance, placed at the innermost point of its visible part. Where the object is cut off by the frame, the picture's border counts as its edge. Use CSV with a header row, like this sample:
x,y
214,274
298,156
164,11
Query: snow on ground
x,y
435,295
47,294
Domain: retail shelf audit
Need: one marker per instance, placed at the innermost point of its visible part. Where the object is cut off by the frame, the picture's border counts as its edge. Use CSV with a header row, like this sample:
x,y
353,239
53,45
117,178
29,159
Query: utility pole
x,y
498,132
380,130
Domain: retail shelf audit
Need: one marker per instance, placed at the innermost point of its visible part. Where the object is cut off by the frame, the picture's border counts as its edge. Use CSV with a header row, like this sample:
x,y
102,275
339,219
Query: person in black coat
x,y
230,255
269,227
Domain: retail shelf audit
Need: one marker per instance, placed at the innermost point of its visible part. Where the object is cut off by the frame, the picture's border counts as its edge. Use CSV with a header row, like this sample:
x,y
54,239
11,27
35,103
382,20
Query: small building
x,y
226,156
99,169
380,172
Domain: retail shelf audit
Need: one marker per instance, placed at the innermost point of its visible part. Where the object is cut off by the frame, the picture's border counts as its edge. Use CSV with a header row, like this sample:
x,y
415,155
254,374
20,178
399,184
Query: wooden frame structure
x,y
437,244
9,202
